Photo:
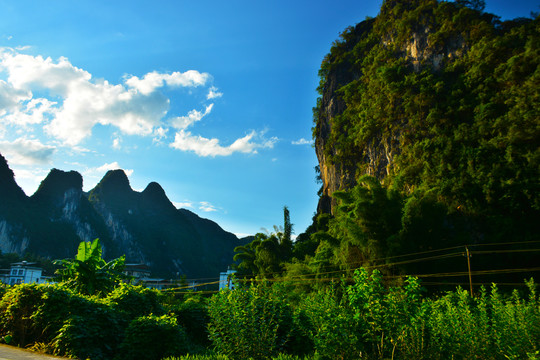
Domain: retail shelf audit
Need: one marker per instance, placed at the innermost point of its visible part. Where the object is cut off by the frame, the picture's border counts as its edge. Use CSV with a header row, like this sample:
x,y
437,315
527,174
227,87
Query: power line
x,y
404,262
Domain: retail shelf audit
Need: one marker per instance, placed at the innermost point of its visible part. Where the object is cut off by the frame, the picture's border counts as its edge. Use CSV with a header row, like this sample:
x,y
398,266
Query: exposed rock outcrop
x,y
378,155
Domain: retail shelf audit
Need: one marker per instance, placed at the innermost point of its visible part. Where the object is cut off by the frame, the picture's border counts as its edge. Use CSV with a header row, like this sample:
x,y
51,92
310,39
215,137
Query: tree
x,y
246,256
478,5
267,252
88,273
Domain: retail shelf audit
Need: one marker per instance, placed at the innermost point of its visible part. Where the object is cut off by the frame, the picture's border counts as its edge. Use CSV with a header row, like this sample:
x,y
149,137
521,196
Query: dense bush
x,y
486,327
253,322
94,335
331,327
34,313
153,338
134,301
66,322
193,315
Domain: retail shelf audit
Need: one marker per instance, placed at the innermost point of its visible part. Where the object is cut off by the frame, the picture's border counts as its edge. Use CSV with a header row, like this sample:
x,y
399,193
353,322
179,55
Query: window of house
x,y
14,272
21,271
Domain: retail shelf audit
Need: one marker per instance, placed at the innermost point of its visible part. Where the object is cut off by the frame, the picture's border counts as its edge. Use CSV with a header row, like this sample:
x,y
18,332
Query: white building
x,y
225,280
23,273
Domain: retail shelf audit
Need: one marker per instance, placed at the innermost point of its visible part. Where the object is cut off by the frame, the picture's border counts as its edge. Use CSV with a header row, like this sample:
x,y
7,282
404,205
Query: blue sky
x,y
211,99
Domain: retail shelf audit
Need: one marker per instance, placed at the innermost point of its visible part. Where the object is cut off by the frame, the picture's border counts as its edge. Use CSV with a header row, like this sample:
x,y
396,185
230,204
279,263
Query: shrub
x,y
153,338
54,318
384,313
16,309
32,313
333,329
252,322
134,301
94,335
193,315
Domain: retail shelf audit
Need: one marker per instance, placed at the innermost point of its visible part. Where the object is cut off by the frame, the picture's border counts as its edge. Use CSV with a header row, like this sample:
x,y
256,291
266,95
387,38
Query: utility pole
x,y
469,267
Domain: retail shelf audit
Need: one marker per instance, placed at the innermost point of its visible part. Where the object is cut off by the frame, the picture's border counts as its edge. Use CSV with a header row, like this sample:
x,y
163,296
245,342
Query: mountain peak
x,y
114,185
115,180
154,187
155,195
57,183
8,187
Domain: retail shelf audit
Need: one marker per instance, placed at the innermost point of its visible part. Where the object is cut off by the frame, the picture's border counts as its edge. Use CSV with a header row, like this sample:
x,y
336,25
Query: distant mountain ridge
x,y
145,226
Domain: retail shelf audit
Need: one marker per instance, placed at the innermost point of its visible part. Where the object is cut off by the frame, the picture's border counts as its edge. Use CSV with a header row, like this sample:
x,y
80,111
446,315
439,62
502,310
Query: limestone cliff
x,y
407,37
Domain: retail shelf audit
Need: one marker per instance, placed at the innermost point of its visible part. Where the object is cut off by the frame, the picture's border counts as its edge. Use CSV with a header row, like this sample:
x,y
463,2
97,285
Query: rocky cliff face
x,y
144,226
419,49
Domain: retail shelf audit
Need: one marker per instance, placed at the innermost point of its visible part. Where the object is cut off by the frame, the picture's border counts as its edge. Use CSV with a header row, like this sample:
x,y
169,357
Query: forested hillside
x,y
427,132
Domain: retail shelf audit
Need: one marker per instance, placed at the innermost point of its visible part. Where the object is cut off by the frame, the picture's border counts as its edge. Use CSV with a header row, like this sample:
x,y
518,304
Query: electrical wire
x,y
385,265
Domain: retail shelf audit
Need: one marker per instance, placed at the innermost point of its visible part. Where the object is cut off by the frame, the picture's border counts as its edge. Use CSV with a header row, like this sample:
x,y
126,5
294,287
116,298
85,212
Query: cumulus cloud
x,y
302,141
159,134
27,151
213,93
67,102
183,122
154,80
201,146
11,97
135,107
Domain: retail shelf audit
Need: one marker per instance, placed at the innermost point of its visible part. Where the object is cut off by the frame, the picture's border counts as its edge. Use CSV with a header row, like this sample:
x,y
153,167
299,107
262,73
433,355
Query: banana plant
x,y
88,273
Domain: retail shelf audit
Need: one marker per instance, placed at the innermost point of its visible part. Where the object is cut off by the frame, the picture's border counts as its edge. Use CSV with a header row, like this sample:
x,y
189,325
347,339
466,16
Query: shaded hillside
x,y
143,225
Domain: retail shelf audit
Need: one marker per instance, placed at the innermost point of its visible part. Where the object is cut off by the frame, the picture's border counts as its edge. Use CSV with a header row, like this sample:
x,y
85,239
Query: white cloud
x,y
183,122
159,134
302,141
82,102
213,93
183,204
95,172
117,143
26,72
112,166
31,112
201,146
27,151
154,80
207,207
11,97
67,103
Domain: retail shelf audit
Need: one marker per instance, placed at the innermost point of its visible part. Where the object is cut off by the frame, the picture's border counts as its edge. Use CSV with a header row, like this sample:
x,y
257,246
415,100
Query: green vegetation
x,y
88,273
442,145
365,318
429,115
266,253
